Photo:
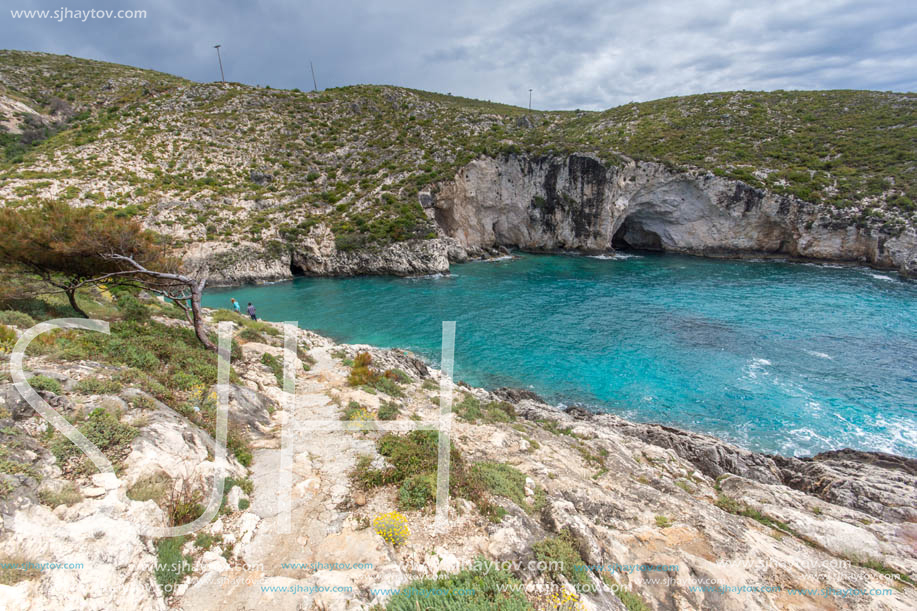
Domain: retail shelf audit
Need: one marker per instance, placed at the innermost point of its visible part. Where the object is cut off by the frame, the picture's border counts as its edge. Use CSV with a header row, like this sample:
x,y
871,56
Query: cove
x,y
776,357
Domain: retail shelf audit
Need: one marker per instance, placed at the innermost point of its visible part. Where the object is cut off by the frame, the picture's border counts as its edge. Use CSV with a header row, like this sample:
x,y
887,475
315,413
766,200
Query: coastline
x,y
504,253
840,475
610,492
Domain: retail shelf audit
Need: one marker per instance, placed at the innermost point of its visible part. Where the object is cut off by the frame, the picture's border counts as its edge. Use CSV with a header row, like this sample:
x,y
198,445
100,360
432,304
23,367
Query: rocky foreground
x,y
650,517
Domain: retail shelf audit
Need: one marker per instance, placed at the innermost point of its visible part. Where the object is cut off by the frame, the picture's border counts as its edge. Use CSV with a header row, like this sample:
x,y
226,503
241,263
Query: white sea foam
x,y
618,256
820,355
881,277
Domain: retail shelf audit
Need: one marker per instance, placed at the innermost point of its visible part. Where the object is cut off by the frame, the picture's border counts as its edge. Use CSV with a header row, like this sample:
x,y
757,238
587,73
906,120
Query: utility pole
x,y
217,47
314,84
530,99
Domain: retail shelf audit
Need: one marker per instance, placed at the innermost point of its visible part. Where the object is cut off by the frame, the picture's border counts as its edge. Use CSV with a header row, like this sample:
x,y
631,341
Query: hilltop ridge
x,y
274,172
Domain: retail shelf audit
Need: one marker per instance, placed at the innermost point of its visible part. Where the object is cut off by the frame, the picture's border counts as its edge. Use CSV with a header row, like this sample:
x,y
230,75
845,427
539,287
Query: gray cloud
x,y
589,54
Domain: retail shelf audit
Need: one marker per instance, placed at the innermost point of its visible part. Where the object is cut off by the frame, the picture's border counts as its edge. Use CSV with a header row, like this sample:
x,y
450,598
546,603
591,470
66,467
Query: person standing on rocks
x,y
235,306
251,311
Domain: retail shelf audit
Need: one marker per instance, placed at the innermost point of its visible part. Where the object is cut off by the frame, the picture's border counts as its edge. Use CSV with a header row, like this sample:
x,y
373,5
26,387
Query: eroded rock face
x,y
317,255
577,203
882,485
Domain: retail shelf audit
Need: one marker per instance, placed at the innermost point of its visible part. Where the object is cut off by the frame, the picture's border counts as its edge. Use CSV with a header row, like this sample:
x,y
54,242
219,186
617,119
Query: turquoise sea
x,y
776,357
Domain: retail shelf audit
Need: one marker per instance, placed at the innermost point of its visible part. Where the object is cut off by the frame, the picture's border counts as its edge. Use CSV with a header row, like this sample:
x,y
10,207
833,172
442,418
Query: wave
x,y
618,256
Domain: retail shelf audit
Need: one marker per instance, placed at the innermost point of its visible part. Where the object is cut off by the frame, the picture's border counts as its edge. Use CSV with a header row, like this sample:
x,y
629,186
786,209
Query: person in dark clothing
x,y
251,311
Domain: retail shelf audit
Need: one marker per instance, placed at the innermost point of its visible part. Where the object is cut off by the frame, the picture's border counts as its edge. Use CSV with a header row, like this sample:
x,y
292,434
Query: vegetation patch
x,y
363,375
67,494
476,589
388,410
501,479
472,410
11,572
562,558
171,564
106,432
155,487
631,600
98,386
40,382
393,527
412,456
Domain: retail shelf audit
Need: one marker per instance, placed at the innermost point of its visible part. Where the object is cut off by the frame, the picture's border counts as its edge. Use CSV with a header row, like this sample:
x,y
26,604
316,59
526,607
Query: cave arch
x,y
635,234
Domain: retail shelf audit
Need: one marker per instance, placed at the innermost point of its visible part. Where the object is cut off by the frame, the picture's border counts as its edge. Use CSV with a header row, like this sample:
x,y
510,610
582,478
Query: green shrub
x,y
40,382
105,431
184,504
416,454
98,386
417,491
503,480
632,601
204,540
250,335
245,484
132,310
182,380
19,319
171,564
398,375
388,410
470,409
389,386
275,365
562,558
484,587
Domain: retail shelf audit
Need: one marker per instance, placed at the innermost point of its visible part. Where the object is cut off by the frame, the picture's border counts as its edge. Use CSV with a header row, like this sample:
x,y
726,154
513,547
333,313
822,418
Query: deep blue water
x,y
777,357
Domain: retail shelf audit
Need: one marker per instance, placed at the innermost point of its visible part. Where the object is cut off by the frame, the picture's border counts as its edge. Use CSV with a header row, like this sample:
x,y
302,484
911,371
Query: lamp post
x,y
220,59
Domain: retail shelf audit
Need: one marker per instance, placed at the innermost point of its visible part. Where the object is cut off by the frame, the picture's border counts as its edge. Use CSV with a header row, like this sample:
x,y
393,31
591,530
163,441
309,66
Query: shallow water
x,y
777,357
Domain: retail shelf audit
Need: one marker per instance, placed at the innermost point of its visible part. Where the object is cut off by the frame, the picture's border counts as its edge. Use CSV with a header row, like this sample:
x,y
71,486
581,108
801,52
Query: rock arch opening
x,y
633,234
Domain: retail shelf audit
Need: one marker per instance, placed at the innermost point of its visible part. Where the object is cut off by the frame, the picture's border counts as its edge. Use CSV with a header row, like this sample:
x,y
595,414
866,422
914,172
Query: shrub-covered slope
x,y
267,166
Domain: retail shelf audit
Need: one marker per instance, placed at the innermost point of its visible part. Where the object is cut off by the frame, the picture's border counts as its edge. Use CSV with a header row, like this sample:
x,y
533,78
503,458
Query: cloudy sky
x,y
588,54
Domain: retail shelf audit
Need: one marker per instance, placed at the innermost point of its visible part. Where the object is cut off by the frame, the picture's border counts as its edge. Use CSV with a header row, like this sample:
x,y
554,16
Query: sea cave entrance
x,y
633,234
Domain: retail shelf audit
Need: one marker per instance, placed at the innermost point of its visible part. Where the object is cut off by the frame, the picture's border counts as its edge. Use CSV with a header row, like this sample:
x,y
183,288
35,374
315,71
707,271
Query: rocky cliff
x,y
578,203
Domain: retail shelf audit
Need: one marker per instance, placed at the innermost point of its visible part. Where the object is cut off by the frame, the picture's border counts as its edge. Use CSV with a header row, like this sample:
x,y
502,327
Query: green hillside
x,y
356,157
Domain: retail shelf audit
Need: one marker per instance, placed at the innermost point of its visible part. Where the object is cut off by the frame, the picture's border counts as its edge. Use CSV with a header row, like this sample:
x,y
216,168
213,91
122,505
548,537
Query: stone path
x,y
319,530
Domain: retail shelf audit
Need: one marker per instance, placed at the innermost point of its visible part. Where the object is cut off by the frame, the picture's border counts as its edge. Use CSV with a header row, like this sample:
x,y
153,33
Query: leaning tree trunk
x,y
197,317
71,296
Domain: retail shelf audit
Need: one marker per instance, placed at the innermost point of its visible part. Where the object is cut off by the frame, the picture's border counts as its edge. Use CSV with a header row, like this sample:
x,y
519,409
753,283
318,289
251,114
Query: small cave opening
x,y
295,269
633,235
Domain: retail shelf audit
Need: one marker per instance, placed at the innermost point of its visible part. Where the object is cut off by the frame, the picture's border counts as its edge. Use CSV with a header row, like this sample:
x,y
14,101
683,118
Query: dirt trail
x,y
319,530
